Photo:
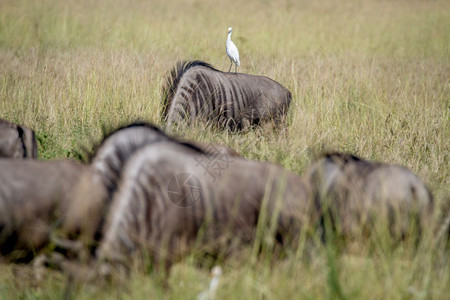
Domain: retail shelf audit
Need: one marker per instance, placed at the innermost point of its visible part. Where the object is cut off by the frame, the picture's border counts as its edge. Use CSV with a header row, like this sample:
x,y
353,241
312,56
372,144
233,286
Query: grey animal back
x,y
229,100
358,192
33,195
145,215
17,141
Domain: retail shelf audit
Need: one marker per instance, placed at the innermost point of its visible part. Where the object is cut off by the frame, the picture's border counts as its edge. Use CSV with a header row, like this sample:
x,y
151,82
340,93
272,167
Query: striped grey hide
x,y
37,197
63,198
16,141
168,201
33,196
358,193
96,188
196,90
118,146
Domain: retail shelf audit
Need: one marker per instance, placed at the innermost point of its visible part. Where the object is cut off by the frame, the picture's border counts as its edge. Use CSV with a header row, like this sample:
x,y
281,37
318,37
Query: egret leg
x,y
230,66
235,68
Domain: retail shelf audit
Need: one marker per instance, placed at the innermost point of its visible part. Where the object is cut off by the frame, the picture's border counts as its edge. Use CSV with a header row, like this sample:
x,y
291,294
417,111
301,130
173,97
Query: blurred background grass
x,y
369,77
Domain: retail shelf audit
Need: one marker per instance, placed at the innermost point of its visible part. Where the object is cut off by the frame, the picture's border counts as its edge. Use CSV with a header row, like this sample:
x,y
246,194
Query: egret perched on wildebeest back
x,y
232,51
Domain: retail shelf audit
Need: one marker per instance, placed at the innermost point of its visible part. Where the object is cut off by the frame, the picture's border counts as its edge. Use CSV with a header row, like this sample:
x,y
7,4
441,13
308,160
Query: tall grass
x,y
369,77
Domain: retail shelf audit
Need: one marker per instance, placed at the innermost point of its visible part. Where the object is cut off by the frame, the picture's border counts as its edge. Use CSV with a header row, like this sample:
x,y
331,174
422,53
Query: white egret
x,y
210,293
232,51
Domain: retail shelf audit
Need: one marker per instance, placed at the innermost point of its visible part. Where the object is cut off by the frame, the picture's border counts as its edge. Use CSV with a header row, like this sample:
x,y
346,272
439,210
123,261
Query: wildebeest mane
x,y
26,138
108,132
109,158
123,154
173,79
341,156
22,140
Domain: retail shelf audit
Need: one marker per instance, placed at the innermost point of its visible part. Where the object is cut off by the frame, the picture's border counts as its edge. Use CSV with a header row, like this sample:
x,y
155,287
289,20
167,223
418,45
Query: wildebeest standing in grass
x,y
39,198
65,199
196,90
96,188
34,195
167,202
16,141
359,195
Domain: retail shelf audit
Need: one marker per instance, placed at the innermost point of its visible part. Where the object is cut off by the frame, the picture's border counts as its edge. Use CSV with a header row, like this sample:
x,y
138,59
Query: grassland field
x,y
367,77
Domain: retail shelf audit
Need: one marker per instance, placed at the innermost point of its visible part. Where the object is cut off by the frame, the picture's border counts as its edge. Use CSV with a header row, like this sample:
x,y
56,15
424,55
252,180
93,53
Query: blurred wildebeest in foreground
x,y
16,141
34,195
196,90
358,195
168,202
94,191
39,198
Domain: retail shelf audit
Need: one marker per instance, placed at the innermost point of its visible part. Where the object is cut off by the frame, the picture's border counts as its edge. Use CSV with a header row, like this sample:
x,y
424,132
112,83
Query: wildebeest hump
x,y
357,193
17,141
235,101
148,212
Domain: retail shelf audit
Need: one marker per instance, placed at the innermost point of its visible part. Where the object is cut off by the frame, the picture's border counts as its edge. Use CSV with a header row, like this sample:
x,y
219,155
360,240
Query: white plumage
x,y
210,293
232,51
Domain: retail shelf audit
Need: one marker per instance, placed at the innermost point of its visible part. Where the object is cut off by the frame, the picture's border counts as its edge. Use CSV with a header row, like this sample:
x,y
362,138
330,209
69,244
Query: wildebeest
x,y
16,141
34,195
168,201
42,197
96,188
119,145
359,194
39,198
196,90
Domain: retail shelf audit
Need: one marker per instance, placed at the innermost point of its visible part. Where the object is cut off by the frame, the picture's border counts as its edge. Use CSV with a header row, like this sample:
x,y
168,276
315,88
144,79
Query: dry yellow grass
x,y
368,77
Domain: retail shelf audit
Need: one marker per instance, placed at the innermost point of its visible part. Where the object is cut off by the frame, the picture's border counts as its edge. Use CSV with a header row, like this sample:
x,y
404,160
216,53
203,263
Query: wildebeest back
x,y
196,90
34,195
16,141
358,192
148,214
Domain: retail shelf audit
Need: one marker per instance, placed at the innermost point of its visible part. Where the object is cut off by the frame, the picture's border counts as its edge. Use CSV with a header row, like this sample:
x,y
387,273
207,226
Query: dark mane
x,y
109,132
124,147
343,157
173,79
20,132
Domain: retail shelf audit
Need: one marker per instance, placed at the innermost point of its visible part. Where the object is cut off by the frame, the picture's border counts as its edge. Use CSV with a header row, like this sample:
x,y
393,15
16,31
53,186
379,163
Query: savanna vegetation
x,y
367,77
